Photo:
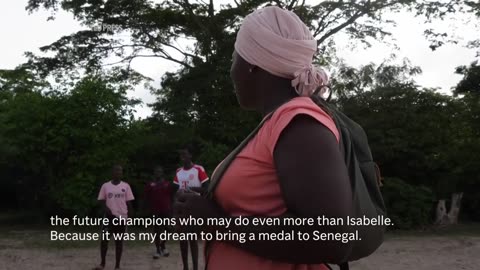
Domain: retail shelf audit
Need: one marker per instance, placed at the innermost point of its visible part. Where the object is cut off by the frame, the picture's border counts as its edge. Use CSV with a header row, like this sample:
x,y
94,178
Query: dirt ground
x,y
419,253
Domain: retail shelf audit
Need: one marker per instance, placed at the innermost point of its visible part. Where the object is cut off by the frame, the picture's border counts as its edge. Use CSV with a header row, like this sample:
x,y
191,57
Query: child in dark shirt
x,y
159,195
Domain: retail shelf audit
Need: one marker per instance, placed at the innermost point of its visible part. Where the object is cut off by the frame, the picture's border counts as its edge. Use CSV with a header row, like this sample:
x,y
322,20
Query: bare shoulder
x,y
305,132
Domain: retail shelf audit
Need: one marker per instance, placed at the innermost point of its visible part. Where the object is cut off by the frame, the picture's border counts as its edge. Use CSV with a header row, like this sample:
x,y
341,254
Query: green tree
x,y
154,28
198,98
62,144
470,83
418,135
468,89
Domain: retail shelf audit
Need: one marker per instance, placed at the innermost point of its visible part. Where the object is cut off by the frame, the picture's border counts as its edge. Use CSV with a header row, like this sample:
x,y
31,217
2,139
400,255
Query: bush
x,y
212,154
408,206
470,209
77,194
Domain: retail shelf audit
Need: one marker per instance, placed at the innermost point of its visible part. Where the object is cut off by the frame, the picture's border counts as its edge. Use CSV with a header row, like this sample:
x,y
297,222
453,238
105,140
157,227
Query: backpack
x,y
363,172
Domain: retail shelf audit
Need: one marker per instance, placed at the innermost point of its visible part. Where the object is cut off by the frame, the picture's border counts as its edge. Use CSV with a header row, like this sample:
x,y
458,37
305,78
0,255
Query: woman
x,y
293,166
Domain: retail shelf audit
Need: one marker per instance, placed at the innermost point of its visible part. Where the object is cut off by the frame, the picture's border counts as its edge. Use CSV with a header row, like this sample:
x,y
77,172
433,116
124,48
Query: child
x,y
159,197
190,177
116,197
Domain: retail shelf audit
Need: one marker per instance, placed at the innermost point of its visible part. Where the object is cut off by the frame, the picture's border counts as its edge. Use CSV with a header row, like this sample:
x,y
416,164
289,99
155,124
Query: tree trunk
x,y
455,208
442,217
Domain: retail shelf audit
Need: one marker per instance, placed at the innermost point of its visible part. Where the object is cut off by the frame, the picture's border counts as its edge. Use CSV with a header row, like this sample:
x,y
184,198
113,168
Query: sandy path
x,y
425,253
420,253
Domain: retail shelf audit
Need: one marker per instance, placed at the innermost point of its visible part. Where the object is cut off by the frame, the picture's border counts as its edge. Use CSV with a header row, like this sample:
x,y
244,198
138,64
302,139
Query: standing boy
x,y
116,197
159,197
190,177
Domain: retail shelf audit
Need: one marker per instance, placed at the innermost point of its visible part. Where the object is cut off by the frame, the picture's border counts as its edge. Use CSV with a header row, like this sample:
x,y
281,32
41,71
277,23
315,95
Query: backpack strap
x,y
379,176
223,166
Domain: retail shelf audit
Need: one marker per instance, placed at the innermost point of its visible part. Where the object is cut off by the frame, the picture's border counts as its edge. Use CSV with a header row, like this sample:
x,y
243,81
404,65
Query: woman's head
x,y
274,41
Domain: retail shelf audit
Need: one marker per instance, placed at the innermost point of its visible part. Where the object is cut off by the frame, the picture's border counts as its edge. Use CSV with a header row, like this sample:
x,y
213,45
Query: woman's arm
x,y
314,182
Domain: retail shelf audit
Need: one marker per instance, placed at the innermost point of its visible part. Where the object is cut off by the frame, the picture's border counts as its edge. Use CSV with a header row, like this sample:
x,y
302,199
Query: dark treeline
x,y
59,140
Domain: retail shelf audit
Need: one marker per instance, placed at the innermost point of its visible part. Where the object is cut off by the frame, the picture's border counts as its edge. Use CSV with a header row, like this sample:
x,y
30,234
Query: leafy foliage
x,y
471,79
409,207
198,99
58,142
418,135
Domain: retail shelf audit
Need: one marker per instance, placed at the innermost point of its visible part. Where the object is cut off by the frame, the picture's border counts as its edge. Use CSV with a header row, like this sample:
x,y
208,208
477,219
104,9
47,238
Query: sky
x,y
21,32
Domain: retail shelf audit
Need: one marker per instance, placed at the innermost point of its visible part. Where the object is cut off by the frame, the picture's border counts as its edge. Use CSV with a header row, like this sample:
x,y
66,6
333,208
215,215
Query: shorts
x,y
161,228
111,228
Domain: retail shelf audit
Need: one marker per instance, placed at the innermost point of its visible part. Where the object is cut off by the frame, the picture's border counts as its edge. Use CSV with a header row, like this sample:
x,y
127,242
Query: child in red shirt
x,y
159,195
